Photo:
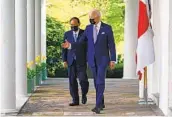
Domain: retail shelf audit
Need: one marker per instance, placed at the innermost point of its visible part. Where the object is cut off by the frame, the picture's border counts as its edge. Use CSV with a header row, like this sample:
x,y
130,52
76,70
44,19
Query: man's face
x,y
74,22
95,16
74,25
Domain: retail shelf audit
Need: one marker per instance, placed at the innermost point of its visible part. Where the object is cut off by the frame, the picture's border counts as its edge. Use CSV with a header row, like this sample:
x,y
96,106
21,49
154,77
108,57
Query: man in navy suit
x,y
101,52
75,59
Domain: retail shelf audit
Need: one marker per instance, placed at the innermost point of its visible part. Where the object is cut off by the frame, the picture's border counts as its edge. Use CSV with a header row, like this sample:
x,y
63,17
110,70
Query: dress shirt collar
x,y
99,24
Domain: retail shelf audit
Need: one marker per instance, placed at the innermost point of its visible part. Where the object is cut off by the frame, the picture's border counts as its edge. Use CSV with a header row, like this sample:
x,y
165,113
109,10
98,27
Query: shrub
x,y
43,66
115,73
55,31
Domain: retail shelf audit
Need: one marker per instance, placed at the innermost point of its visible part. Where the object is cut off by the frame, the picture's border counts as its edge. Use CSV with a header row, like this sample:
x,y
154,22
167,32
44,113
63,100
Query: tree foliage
x,y
112,13
59,13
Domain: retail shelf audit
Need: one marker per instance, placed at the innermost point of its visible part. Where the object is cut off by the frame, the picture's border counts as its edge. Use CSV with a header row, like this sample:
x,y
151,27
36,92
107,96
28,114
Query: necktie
x,y
95,33
75,37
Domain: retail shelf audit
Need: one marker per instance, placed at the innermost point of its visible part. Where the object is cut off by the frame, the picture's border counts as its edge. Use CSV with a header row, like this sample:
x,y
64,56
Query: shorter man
x,y
75,59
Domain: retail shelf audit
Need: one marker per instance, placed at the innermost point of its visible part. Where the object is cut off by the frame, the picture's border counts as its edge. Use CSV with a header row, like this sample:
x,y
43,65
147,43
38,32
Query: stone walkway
x,y
121,96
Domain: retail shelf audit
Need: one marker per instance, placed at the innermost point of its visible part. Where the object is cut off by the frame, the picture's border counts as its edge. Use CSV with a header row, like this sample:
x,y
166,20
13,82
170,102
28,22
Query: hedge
x,y
116,73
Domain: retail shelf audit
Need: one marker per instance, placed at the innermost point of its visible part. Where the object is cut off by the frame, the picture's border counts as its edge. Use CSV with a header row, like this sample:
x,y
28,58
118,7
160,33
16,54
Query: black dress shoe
x,y
84,99
102,107
96,110
73,104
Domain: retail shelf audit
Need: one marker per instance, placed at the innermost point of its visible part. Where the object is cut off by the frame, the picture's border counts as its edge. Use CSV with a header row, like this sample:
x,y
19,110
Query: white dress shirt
x,y
98,27
77,33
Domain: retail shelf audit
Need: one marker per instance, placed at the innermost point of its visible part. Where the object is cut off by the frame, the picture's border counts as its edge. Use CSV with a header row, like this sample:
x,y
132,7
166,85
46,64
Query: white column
x,y
164,23
150,75
31,31
7,37
21,47
170,61
43,27
157,45
1,41
0,59
37,27
130,38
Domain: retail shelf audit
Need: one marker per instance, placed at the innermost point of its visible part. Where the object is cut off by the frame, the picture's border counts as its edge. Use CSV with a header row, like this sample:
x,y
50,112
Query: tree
x,y
113,13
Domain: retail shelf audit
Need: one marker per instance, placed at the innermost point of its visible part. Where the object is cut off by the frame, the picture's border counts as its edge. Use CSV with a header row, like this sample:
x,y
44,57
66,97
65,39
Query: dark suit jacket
x,y
80,51
103,51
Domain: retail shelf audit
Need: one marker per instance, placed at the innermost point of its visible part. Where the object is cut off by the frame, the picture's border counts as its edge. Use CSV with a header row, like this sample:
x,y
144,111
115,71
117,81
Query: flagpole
x,y
145,100
145,86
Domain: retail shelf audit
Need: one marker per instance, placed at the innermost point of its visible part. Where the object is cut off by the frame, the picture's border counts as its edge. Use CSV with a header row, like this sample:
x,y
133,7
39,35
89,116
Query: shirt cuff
x,y
114,62
69,47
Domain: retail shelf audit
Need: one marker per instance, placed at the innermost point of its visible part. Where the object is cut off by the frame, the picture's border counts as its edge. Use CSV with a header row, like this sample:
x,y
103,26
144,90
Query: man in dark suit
x,y
101,52
75,59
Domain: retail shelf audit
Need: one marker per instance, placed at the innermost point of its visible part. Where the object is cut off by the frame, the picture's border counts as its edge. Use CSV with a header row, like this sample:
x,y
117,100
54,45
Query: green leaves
x,y
31,73
38,68
59,13
55,32
112,13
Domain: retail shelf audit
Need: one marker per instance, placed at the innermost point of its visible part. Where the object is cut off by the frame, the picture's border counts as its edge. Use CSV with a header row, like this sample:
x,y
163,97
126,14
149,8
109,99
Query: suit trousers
x,y
79,71
99,74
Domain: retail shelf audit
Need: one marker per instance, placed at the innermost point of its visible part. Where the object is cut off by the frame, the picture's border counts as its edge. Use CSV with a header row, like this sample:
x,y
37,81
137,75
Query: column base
x,y
170,111
20,101
143,102
9,111
22,96
129,78
155,97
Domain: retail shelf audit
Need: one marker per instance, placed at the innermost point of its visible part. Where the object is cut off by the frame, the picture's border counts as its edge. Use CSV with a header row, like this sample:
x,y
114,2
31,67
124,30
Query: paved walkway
x,y
121,96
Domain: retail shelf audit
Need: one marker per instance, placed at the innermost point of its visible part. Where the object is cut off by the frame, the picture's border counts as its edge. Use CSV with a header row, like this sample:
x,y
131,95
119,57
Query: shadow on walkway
x,y
121,96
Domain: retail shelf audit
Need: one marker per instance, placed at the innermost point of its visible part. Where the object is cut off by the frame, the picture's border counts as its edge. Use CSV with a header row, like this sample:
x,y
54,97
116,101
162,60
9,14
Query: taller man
x,y
75,59
101,52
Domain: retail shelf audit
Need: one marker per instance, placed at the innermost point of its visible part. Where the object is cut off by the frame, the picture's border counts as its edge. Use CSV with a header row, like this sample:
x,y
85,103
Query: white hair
x,y
95,11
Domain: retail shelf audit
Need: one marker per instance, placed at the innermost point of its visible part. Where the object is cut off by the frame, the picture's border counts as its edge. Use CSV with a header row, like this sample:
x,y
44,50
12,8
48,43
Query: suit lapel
x,y
71,35
92,37
79,34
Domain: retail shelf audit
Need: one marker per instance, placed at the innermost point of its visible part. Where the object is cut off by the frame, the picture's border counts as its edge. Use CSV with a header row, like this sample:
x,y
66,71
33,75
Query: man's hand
x,y
65,64
65,45
112,65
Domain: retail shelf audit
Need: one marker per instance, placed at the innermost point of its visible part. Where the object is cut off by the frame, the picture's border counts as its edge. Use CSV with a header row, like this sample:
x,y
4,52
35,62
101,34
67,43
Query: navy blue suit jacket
x,y
103,51
80,52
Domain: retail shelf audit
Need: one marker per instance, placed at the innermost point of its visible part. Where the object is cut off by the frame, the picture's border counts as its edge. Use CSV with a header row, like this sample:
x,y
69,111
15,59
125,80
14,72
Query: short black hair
x,y
76,19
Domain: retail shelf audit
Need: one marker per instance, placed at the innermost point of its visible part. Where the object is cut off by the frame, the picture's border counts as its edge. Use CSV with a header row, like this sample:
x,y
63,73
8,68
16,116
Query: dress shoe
x,y
96,110
102,107
84,99
73,104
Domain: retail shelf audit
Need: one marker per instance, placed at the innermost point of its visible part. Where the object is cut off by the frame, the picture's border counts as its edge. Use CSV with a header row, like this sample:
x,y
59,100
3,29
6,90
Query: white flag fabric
x,y
145,49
